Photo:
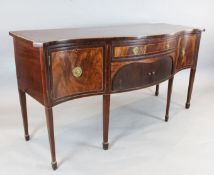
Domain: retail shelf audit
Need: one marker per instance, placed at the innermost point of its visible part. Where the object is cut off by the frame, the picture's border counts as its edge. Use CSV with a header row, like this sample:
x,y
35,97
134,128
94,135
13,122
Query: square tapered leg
x,y
157,90
22,98
106,106
191,81
50,126
169,93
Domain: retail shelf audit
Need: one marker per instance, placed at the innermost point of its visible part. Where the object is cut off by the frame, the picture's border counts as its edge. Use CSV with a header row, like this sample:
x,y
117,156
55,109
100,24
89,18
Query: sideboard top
x,y
40,37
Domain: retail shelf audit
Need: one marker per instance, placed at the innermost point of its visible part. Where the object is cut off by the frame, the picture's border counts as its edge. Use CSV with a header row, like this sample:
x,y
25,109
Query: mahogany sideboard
x,y
57,65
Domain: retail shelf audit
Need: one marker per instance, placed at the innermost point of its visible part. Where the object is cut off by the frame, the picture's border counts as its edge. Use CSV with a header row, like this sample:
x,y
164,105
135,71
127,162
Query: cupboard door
x,y
76,71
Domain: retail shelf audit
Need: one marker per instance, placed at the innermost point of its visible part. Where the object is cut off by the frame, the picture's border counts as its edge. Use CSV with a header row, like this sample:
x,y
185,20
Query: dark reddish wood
x,y
64,83
125,51
193,71
107,70
28,69
109,61
106,107
169,93
191,81
136,74
136,50
22,98
45,88
132,31
157,90
50,126
116,65
187,51
160,47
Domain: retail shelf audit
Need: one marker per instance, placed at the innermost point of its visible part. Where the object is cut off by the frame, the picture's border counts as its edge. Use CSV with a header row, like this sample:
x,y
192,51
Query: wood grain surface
x,y
28,69
152,48
135,75
64,83
187,51
129,31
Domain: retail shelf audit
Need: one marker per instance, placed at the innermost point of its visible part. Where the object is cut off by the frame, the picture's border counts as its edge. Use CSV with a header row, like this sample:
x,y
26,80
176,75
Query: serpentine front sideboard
x,y
57,65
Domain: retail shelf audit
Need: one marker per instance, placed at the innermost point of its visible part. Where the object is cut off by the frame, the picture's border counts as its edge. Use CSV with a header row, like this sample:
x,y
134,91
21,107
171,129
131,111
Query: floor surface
x,y
140,141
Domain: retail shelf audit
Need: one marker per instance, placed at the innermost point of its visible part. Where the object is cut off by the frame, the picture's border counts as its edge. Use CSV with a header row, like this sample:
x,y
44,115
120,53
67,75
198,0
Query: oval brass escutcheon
x,y
136,50
167,46
183,52
77,71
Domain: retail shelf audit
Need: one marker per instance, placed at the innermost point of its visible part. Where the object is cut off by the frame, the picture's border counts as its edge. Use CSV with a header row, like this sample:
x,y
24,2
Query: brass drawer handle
x,y
167,46
77,71
183,52
151,73
136,50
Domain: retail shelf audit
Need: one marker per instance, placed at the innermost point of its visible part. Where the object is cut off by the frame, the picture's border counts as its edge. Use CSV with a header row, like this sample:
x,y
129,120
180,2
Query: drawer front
x,y
186,51
142,74
76,71
138,50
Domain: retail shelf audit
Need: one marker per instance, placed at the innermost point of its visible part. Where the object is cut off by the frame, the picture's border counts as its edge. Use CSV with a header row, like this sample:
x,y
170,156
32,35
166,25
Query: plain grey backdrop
x,y
141,143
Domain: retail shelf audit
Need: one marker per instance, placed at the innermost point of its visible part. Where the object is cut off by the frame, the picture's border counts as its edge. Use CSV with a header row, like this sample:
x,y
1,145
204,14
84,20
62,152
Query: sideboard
x,y
57,65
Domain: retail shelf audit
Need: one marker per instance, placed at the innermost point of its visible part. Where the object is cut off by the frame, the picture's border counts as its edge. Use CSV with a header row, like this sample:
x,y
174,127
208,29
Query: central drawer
x,y
76,71
134,50
139,74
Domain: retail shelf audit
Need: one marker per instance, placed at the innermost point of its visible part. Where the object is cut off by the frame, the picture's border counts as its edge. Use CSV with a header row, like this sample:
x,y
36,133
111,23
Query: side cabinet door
x,y
187,51
76,71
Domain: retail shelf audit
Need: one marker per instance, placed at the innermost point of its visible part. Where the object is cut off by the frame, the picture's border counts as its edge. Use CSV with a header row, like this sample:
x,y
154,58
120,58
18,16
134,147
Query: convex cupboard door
x,y
144,73
76,71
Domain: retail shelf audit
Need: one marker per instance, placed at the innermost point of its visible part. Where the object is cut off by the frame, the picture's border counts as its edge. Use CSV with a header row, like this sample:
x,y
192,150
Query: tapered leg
x,y
22,98
191,81
169,92
50,126
106,106
157,90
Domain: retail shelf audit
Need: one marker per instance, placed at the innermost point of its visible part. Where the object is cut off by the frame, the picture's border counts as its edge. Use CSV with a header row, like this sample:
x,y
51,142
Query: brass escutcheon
x,y
167,46
183,52
77,71
136,50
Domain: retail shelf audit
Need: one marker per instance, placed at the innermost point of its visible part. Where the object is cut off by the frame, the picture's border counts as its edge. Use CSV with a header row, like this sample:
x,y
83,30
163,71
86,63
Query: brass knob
x,y
183,52
136,50
77,71
167,46
151,73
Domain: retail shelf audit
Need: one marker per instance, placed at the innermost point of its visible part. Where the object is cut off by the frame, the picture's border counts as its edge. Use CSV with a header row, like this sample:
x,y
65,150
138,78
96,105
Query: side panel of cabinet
x,y
187,51
28,69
